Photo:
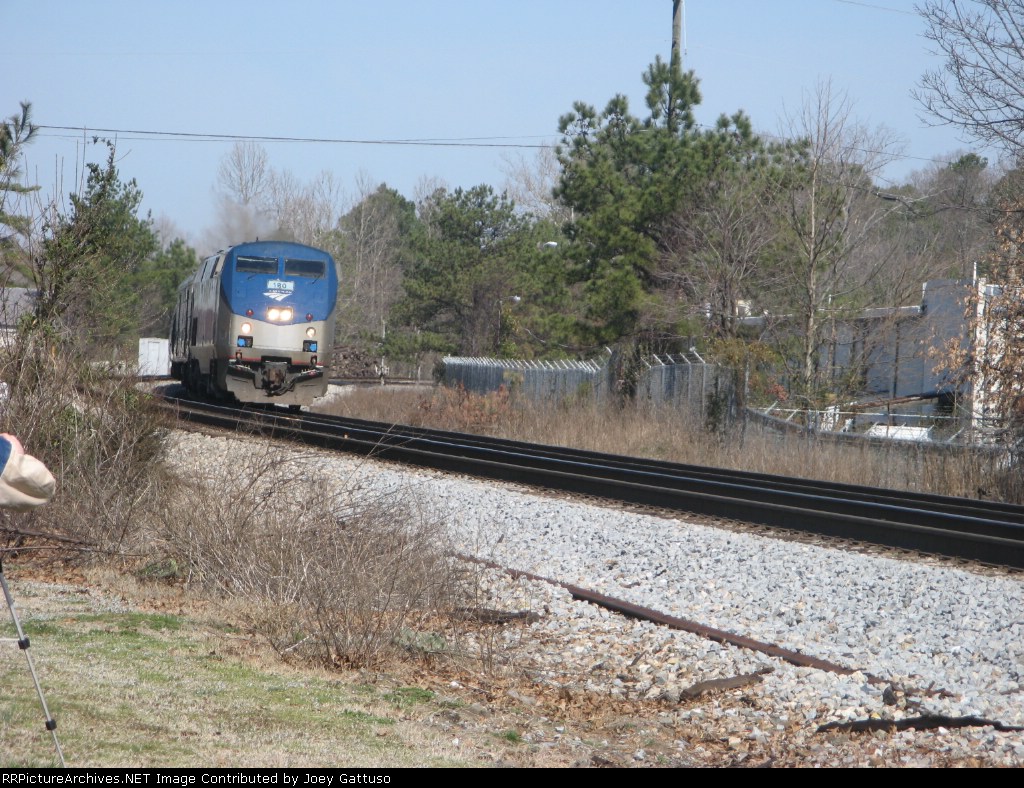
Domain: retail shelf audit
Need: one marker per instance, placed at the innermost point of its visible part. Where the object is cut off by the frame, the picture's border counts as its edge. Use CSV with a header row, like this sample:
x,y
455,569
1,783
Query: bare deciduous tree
x,y
980,87
304,212
531,185
955,211
714,254
831,210
244,173
257,201
371,261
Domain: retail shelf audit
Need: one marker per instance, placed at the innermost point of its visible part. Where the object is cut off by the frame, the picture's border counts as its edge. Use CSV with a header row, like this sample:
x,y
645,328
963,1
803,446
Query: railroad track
x,y
988,532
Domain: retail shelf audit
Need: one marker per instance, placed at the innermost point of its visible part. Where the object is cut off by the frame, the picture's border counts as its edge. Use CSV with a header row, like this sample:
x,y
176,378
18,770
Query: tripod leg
x,y
23,644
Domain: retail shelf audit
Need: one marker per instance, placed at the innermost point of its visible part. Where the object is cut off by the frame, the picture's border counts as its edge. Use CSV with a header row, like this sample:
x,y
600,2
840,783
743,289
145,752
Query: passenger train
x,y
256,322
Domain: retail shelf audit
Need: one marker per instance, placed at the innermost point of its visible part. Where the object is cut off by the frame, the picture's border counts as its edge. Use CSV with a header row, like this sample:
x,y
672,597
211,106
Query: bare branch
x,y
980,88
244,174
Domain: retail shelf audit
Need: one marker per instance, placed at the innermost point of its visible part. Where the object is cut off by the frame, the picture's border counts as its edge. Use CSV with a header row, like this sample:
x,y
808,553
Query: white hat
x,y
25,483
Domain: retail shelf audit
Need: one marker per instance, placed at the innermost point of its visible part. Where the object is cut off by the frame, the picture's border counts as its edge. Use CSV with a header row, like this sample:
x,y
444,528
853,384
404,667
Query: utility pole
x,y
675,67
677,26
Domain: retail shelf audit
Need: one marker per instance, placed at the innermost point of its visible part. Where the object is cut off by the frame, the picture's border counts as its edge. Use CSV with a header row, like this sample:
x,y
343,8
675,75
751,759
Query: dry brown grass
x,y
671,435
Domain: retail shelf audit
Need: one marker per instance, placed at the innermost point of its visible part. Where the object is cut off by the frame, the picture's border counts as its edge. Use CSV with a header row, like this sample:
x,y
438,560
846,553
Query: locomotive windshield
x,y
256,265
314,268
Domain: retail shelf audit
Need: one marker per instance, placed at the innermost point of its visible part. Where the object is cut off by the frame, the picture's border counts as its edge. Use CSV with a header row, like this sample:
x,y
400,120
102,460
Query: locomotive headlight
x,y
246,328
311,332
286,314
274,313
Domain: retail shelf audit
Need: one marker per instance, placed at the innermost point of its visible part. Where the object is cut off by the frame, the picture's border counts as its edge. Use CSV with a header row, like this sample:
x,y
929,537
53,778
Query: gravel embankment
x,y
943,640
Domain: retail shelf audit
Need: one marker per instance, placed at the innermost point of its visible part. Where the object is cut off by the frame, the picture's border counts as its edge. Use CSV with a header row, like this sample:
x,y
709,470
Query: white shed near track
x,y
154,356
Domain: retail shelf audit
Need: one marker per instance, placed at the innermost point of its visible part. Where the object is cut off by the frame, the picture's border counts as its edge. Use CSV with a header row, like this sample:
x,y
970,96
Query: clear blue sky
x,y
402,70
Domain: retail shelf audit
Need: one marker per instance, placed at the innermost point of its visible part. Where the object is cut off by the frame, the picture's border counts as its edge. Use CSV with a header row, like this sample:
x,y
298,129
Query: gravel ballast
x,y
923,637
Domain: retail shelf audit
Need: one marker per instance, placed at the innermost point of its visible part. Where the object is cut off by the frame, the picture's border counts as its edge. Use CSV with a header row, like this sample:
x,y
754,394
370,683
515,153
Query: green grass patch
x,y
133,689
404,697
362,718
127,622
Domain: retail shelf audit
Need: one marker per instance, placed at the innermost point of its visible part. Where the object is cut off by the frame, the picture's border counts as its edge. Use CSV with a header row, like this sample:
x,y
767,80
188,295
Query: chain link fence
x,y
685,381
538,381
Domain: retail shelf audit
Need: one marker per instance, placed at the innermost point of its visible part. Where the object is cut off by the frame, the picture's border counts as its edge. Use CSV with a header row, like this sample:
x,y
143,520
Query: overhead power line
x,y
456,142
878,7
467,142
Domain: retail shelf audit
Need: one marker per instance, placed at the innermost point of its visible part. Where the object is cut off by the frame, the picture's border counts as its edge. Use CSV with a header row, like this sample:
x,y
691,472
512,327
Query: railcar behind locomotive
x,y
255,322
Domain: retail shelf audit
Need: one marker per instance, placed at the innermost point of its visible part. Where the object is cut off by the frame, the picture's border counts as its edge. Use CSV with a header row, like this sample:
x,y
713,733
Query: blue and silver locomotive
x,y
256,322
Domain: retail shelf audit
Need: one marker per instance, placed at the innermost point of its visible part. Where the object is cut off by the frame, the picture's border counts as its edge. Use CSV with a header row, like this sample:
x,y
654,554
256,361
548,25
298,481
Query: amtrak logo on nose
x,y
279,290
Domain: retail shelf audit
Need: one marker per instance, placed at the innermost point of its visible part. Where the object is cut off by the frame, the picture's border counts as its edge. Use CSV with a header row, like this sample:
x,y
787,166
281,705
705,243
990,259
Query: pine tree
x,y
626,180
86,273
15,133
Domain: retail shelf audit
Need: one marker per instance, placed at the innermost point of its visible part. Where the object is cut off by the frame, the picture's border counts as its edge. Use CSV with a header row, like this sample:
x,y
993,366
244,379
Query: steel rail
x,y
642,613
933,502
932,524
